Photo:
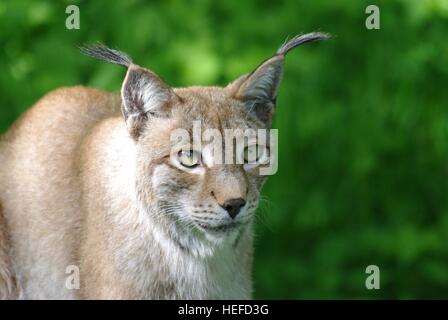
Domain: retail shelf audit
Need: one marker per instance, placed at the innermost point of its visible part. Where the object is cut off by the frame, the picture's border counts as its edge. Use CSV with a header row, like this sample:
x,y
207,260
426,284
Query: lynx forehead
x,y
95,180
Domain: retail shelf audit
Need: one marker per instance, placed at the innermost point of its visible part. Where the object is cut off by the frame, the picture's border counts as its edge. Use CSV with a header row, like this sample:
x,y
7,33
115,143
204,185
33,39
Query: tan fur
x,y
88,183
8,289
39,188
58,163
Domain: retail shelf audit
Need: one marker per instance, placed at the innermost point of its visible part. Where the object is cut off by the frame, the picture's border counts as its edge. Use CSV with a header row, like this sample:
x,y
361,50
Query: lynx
x,y
90,179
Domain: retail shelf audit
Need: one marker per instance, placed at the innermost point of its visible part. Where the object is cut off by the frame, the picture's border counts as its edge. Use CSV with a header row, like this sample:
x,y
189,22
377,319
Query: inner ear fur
x,y
144,95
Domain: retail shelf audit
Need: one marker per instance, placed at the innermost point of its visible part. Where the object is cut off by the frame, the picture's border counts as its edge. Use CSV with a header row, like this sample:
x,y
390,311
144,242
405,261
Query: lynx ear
x,y
258,90
144,95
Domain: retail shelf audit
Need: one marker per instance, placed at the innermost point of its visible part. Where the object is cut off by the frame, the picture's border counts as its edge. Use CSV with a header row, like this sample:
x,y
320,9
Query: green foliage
x,y
362,119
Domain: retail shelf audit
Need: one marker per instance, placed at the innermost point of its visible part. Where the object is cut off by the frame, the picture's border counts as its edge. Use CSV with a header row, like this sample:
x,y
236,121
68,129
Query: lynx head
x,y
189,183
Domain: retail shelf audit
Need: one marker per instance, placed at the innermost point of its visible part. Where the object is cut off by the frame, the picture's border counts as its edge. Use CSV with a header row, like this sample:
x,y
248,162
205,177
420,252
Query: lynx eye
x,y
253,153
188,158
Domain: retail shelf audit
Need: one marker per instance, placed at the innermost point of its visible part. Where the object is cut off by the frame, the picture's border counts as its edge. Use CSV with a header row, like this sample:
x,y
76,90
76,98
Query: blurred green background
x,y
362,119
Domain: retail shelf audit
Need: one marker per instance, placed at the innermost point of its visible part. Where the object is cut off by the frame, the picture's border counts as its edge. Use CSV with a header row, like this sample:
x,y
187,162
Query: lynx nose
x,y
233,206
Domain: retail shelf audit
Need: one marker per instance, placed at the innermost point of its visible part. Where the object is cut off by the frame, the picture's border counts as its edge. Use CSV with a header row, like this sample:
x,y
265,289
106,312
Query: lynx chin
x,y
88,179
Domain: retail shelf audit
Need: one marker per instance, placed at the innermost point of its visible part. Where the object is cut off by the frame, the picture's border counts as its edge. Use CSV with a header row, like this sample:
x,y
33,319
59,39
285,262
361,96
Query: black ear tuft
x,y
301,39
101,52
